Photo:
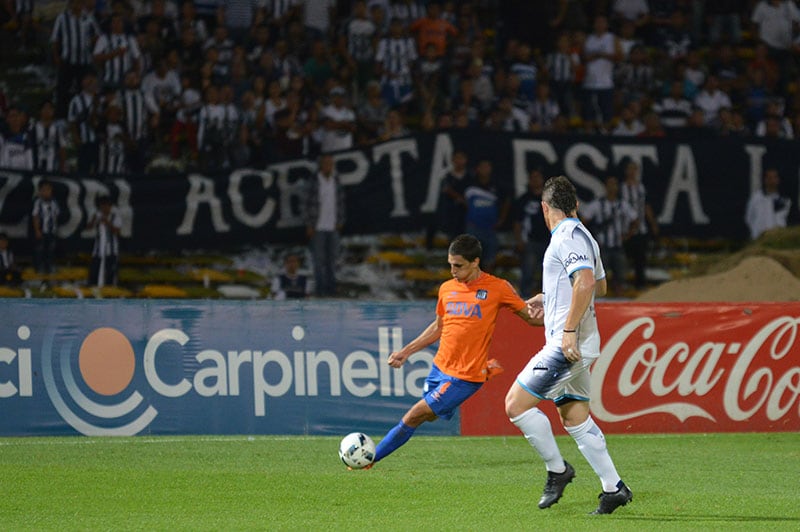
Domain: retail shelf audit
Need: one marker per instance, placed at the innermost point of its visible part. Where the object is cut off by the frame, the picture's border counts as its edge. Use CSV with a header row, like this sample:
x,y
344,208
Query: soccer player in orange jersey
x,y
465,318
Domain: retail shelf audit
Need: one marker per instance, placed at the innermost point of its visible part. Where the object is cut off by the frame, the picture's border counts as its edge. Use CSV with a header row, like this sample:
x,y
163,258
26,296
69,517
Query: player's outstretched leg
x,y
394,439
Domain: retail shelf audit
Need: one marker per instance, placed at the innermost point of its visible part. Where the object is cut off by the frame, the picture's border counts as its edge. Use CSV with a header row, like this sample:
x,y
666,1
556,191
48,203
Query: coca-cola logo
x,y
758,376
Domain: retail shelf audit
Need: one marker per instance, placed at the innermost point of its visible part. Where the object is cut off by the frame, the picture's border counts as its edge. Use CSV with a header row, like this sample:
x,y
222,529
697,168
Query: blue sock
x,y
393,440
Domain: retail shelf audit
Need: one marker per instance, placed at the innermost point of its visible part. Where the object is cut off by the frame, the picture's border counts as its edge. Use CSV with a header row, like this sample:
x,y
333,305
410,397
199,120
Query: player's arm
x,y
600,287
533,313
431,333
583,286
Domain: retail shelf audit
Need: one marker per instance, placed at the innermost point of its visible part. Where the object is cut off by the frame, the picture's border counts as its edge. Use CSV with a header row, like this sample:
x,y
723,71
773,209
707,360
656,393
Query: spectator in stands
x,y
530,234
394,126
9,273
451,210
116,53
433,29
357,43
756,96
162,87
189,19
710,100
74,32
371,114
429,74
761,60
487,211
190,50
652,126
317,16
239,16
234,133
338,122
601,51
325,217
527,70
561,65
636,11
775,21
696,70
405,11
159,19
114,142
725,24
141,116
107,223
507,117
634,194
635,76
728,69
319,67
83,117
291,283
48,140
16,151
45,226
394,62
674,110
211,135
294,126
543,110
767,208
279,13
629,124
612,222
774,124
676,40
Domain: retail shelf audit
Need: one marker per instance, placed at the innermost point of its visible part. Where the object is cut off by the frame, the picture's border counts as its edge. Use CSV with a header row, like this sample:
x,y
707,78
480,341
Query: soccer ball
x,y
357,450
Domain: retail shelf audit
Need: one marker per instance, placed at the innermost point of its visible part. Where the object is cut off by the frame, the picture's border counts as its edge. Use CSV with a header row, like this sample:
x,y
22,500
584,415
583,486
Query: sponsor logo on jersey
x,y
457,308
573,257
482,294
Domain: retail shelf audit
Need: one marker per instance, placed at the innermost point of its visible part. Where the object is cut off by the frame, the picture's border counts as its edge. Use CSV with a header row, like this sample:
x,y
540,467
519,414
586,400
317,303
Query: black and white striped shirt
x,y
609,220
112,151
74,36
47,141
634,195
114,69
278,8
543,113
359,33
81,113
47,212
560,68
106,243
135,112
397,57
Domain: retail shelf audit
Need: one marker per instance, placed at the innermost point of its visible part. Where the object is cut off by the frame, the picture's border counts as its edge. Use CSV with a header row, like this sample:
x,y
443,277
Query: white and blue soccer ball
x,y
357,450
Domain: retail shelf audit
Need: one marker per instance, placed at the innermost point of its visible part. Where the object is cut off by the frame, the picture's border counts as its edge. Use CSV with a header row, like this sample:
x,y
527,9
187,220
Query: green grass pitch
x,y
680,482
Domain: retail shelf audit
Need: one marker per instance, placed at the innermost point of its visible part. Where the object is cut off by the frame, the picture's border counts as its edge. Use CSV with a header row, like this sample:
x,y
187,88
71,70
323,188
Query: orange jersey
x,y
469,313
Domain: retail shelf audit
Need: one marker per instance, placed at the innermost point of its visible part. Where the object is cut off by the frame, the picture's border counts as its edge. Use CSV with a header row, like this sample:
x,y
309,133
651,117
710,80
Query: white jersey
x,y
571,248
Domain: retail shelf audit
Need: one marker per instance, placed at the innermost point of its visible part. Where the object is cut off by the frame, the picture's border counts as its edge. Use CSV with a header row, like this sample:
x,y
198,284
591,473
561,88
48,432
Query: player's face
x,y
463,270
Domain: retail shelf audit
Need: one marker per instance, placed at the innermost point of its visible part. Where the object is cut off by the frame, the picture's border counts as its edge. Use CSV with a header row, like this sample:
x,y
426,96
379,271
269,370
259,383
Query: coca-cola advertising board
x,y
670,367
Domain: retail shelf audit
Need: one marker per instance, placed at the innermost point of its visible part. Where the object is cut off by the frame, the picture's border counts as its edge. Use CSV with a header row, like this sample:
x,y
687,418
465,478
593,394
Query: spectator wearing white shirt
x,y
117,53
629,124
338,123
711,99
766,208
775,20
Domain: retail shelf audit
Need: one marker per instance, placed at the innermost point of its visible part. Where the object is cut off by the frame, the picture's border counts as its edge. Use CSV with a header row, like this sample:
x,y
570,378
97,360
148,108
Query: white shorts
x,y
548,375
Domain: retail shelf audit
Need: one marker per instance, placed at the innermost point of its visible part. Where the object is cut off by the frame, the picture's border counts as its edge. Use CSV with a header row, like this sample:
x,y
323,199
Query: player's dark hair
x,y
559,193
467,246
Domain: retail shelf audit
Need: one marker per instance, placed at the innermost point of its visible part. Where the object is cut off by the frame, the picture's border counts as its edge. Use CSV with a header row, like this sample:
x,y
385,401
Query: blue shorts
x,y
444,393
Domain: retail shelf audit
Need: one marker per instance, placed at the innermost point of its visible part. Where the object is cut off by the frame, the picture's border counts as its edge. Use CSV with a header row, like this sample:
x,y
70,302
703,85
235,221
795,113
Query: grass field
x,y
680,482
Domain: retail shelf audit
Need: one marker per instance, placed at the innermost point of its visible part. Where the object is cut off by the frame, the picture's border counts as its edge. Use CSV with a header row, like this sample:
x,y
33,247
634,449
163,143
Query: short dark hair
x,y
559,193
467,246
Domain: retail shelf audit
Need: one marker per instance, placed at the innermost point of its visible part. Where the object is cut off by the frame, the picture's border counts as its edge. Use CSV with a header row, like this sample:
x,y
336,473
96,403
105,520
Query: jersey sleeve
x,y
510,298
576,253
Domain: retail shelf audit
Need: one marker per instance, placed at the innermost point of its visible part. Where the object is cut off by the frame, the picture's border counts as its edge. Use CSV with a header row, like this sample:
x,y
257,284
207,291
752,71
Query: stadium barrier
x,y
318,367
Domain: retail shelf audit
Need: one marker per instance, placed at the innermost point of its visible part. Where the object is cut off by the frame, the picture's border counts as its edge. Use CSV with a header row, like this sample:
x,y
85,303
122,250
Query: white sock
x,y
592,444
537,430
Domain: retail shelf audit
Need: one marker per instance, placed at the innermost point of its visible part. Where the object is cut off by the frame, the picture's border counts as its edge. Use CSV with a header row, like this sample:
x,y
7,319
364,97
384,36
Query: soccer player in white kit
x,y
573,273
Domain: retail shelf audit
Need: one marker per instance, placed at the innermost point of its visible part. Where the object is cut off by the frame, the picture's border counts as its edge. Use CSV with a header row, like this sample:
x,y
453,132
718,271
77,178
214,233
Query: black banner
x,y
697,188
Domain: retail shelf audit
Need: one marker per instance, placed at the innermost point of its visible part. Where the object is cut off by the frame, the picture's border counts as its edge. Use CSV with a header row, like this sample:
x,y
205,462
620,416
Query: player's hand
x,y
536,307
396,359
569,347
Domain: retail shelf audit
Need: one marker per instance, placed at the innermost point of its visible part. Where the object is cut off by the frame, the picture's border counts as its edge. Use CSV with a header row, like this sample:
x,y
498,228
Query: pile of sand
x,y
755,278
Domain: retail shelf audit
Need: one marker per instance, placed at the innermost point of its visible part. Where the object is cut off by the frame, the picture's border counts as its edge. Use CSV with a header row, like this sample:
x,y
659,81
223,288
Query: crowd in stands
x,y
219,84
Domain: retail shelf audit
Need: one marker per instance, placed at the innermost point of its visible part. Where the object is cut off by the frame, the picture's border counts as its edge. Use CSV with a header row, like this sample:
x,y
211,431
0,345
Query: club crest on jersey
x,y
481,294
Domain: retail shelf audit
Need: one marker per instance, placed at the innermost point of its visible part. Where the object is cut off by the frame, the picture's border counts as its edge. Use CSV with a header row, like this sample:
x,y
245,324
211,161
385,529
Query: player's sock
x,y
395,438
537,430
592,444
